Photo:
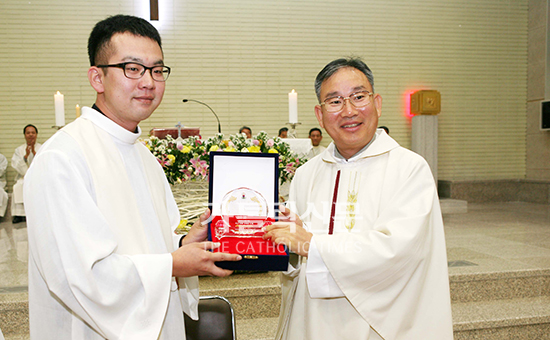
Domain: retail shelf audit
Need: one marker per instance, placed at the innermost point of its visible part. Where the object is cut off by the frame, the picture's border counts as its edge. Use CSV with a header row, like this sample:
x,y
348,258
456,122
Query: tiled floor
x,y
489,238
492,236
13,256
499,237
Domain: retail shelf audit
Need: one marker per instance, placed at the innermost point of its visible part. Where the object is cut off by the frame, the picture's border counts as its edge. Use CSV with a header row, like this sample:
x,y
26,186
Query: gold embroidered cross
x,y
351,202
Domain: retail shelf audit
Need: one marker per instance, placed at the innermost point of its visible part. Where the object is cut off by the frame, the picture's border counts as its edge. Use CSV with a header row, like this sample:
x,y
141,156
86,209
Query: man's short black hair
x,y
26,126
104,30
281,130
245,127
336,65
385,128
315,129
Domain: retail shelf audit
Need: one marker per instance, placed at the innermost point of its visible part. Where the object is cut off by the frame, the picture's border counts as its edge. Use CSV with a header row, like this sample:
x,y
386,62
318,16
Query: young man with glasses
x,y
365,214
104,260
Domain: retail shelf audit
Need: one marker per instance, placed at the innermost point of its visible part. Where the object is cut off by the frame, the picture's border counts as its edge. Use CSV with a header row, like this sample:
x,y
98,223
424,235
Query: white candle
x,y
59,109
293,107
77,111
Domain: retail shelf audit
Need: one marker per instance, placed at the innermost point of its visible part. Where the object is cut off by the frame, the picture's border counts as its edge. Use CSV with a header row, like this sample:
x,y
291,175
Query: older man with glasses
x,y
367,226
104,260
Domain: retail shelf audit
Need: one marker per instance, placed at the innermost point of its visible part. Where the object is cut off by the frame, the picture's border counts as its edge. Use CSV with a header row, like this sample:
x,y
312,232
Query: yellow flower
x,y
273,151
214,148
254,148
171,159
229,149
186,149
182,228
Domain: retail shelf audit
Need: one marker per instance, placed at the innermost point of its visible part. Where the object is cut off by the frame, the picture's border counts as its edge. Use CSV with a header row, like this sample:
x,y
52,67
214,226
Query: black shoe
x,y
18,219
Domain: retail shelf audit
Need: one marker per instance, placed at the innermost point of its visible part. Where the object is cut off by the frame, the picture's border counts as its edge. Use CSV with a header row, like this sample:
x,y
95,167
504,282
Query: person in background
x,y
104,260
21,160
364,217
283,132
247,131
3,193
8,227
385,128
316,137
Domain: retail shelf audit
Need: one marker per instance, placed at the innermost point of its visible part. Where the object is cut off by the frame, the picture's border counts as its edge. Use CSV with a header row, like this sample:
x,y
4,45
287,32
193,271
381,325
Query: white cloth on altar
x,y
21,166
300,146
86,281
387,277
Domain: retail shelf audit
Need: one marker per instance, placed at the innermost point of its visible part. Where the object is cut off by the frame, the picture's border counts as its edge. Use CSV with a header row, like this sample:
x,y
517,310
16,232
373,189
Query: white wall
x,y
242,57
538,84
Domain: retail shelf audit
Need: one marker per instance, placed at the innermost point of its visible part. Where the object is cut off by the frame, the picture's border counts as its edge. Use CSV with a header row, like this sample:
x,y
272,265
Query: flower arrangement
x,y
187,159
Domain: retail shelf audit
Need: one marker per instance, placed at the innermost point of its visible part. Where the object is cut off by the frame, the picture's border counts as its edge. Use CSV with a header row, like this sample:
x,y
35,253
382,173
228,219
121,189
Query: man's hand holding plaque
x,y
289,231
194,257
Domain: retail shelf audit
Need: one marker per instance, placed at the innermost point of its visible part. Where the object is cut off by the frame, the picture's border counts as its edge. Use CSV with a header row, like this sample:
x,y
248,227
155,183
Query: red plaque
x,y
243,198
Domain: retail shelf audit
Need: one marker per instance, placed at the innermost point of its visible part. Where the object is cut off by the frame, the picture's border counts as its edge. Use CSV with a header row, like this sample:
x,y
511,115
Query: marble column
x,y
425,105
424,139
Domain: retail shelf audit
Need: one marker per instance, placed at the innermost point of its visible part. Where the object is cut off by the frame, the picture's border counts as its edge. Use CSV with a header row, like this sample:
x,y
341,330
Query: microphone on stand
x,y
196,101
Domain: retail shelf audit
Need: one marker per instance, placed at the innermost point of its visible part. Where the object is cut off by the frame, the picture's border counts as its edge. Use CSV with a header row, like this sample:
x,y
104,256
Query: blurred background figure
x,y
21,161
3,193
283,132
4,205
385,129
247,131
316,137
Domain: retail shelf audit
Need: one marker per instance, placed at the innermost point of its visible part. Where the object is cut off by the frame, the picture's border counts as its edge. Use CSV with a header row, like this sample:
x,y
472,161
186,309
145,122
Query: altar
x,y
184,156
300,146
175,132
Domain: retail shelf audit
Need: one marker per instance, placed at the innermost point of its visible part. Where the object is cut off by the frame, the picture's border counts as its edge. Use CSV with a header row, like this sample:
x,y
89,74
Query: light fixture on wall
x,y
425,102
154,9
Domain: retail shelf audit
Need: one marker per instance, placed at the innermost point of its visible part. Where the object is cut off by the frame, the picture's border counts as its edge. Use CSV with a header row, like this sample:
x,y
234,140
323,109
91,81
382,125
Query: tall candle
x,y
77,111
293,107
59,109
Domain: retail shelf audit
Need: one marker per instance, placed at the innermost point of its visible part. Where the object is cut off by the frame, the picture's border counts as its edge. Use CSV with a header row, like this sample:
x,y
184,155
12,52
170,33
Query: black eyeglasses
x,y
136,71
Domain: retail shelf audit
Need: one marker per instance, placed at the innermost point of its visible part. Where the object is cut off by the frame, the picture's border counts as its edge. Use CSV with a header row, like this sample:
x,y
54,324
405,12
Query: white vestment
x,y
3,193
315,150
21,166
100,216
383,273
